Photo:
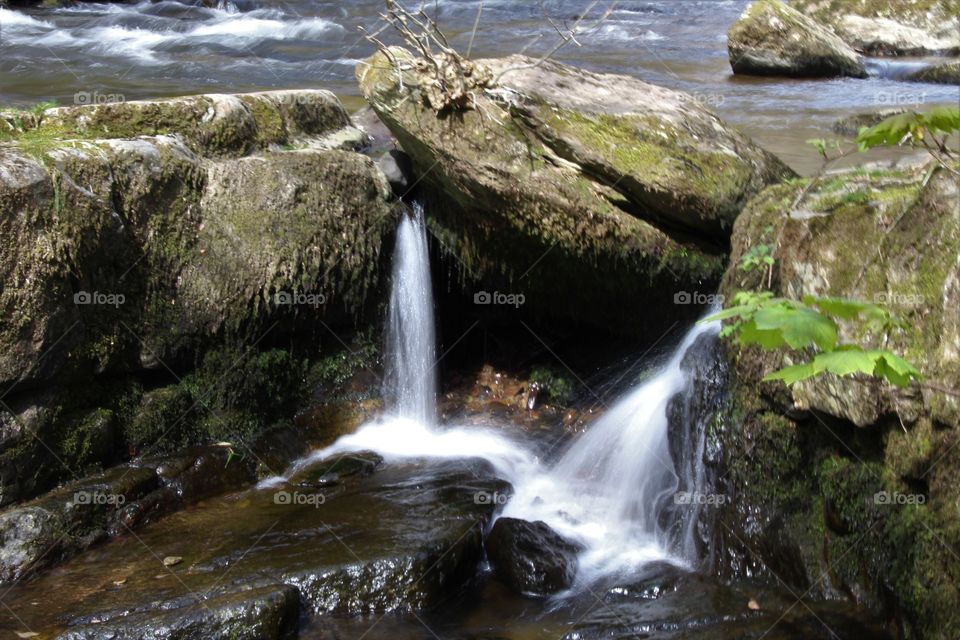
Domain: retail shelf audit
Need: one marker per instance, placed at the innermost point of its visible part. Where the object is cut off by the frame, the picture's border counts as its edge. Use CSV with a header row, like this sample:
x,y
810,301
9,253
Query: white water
x,y
613,490
411,376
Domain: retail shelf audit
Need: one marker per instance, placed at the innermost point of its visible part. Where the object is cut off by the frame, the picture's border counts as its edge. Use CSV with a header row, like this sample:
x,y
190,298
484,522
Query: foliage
x,y
809,325
559,388
758,255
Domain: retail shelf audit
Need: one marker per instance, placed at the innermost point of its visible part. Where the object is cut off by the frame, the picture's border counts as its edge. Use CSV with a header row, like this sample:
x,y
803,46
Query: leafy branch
x,y
811,325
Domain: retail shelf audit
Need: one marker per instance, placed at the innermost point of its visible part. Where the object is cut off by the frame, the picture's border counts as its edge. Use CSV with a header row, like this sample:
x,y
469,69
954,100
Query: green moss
x,y
558,386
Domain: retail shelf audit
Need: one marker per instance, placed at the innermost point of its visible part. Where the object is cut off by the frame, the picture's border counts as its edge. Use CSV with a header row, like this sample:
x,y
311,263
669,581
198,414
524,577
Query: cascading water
x,y
613,490
411,380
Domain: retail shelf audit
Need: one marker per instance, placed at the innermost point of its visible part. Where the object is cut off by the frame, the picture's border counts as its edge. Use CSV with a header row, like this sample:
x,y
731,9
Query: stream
x,y
96,52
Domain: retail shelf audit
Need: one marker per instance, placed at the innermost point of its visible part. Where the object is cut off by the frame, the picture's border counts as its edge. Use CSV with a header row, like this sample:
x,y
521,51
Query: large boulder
x,y
848,486
143,235
773,39
604,187
883,28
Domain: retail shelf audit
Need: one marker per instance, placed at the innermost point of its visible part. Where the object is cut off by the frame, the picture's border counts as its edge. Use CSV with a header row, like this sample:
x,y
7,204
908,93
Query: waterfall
x,y
631,489
411,381
618,488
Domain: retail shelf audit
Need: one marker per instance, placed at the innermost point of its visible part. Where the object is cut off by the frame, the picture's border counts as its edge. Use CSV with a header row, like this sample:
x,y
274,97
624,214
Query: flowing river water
x,y
91,51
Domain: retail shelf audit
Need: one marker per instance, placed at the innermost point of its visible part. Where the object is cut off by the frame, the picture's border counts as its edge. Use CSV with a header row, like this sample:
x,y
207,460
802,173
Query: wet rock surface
x,y
773,39
530,557
406,537
263,613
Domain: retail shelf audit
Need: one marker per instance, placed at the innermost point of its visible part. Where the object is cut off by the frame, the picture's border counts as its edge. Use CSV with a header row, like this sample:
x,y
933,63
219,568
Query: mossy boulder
x,y
610,187
947,73
884,28
848,486
773,39
126,253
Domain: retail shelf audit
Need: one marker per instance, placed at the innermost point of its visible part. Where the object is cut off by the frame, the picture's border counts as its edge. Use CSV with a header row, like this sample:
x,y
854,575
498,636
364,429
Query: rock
x,y
877,27
331,471
916,278
618,190
862,460
141,238
773,39
398,169
530,557
186,252
851,125
406,537
69,520
262,613
947,73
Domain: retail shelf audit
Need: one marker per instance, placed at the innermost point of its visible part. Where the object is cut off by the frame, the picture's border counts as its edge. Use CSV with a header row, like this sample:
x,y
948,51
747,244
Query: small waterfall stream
x,y
411,379
613,490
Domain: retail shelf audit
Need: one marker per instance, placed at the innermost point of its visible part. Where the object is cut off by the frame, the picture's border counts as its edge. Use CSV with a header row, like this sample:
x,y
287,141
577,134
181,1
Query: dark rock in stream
x,y
263,613
329,471
530,557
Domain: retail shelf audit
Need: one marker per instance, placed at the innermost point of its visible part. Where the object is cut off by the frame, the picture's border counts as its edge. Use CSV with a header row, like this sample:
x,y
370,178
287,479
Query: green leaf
x,y
943,119
800,327
791,374
895,369
844,362
889,132
767,339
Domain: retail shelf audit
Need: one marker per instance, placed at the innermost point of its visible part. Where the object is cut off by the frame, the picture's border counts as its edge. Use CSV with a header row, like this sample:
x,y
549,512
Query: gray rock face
x,y
773,39
530,557
947,73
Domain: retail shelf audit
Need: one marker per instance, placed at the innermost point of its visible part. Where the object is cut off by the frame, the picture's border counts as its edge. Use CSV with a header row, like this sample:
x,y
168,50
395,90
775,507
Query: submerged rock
x,y
947,73
773,39
530,557
602,187
882,28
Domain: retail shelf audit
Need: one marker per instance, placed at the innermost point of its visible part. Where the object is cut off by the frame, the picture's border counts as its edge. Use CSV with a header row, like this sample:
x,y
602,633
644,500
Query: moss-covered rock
x,y
881,27
856,480
138,237
773,39
947,73
615,190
